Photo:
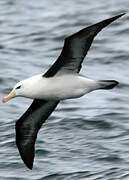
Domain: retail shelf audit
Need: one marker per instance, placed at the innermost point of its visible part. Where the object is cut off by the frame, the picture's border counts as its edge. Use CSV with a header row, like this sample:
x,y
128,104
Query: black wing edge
x,y
76,47
28,126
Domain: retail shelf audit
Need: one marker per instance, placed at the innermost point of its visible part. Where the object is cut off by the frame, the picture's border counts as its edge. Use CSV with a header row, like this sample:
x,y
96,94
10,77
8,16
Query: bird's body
x,y
60,82
58,87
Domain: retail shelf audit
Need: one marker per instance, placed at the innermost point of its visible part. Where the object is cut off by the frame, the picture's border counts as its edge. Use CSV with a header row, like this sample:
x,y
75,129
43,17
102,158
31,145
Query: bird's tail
x,y
106,84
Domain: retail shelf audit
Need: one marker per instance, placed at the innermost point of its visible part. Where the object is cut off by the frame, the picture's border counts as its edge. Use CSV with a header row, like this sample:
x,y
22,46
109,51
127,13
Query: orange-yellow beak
x,y
10,96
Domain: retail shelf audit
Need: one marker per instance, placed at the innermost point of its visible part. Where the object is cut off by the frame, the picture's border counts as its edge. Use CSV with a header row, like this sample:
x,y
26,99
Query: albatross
x,y
62,81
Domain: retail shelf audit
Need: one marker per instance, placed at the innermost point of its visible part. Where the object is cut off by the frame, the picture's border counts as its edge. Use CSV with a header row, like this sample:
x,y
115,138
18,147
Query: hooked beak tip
x,y
3,100
7,98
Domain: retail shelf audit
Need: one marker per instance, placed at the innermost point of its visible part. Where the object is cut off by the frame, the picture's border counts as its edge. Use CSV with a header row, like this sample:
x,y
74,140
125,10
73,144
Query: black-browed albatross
x,y
60,82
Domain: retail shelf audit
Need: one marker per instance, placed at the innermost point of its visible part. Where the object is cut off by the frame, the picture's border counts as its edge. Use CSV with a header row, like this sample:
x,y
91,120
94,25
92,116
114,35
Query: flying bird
x,y
60,82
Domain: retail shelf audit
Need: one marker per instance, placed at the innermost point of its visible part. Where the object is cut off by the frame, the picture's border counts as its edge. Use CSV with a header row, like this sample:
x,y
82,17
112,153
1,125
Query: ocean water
x,y
85,138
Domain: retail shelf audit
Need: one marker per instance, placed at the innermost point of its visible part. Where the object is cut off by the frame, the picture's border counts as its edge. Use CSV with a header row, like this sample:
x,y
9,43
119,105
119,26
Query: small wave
x,y
110,158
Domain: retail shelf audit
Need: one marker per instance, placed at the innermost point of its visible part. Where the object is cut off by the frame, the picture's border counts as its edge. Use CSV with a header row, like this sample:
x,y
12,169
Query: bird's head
x,y
16,91
28,88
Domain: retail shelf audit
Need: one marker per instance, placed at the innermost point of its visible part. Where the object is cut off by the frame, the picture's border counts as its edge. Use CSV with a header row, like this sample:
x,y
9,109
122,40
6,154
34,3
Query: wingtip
x,y
27,155
122,14
28,160
30,166
28,163
116,17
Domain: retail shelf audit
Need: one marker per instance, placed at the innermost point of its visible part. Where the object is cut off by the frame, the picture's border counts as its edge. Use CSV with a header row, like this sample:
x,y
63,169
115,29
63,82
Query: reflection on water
x,y
85,138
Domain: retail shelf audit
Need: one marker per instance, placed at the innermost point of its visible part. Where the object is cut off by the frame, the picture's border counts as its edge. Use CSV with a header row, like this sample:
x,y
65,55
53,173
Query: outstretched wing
x,y
28,126
75,49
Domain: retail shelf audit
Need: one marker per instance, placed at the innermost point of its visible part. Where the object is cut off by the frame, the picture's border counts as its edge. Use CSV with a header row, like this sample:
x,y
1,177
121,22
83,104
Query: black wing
x,y
70,60
75,49
28,126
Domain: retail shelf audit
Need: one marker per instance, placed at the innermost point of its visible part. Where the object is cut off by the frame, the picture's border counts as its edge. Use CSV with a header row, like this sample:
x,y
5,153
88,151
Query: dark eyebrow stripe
x,y
18,87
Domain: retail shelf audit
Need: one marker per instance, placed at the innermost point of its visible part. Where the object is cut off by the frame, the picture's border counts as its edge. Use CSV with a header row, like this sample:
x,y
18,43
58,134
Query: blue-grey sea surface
x,y
85,138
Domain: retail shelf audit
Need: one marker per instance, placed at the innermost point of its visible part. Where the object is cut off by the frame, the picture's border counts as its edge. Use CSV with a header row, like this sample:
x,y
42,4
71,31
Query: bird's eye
x,y
18,87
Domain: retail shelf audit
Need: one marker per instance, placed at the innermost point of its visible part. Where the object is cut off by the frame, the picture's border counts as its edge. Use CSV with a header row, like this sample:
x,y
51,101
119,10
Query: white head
x,y
18,90
25,88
